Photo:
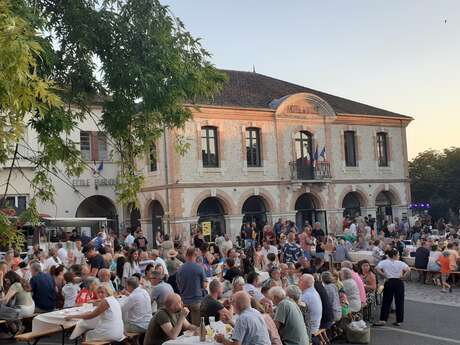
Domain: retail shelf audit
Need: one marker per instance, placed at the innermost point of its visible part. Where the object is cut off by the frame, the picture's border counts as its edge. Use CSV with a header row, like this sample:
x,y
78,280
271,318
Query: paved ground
x,y
431,318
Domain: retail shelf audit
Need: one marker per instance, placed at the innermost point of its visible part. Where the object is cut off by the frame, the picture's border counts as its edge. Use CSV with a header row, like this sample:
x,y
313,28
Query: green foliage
x,y
435,178
57,57
150,66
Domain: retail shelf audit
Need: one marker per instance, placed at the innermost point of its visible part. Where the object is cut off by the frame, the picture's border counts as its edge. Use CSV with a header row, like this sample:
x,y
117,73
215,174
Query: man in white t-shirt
x,y
62,253
267,249
129,240
225,246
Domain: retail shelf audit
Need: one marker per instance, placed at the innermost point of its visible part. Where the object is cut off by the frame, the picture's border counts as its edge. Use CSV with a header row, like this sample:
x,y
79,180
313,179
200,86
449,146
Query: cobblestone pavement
x,y
432,294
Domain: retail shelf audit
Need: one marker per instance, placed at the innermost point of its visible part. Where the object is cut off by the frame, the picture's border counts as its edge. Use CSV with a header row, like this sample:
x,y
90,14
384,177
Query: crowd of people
x,y
273,285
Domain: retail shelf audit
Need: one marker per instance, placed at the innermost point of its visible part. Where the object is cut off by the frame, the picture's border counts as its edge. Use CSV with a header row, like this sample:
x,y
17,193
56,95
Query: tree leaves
x,y
435,178
57,56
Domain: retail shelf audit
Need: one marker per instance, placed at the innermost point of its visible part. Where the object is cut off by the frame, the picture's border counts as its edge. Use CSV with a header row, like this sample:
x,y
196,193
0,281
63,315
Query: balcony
x,y
303,170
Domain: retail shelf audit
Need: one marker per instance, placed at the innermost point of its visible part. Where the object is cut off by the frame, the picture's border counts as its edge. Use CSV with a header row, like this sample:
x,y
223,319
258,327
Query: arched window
x,y
253,147
209,148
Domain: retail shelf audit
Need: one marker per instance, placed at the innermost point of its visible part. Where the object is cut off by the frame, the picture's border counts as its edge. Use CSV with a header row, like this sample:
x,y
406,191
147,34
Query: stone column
x,y
233,225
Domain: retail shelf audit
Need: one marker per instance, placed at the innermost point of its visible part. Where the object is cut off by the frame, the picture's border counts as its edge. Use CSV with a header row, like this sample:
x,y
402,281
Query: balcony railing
x,y
304,170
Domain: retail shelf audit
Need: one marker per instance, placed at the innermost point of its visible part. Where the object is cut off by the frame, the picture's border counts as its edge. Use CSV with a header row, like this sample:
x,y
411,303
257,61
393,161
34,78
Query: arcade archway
x,y
211,210
99,206
255,210
351,204
309,211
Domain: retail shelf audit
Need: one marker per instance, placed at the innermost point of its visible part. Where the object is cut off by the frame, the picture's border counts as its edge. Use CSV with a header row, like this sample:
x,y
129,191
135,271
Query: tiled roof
x,y
254,90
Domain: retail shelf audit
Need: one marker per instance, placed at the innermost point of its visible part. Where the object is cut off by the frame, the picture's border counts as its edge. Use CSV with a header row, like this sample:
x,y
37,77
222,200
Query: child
x,y
69,290
444,262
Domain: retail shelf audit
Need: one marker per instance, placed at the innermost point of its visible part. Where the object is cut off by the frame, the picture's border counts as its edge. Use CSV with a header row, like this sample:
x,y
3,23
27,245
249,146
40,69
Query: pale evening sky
x,y
399,55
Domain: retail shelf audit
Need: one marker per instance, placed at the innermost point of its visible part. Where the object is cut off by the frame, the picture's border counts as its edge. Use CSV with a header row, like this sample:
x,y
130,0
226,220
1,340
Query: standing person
x,y
191,280
394,271
444,262
317,232
422,257
141,242
278,227
291,250
129,239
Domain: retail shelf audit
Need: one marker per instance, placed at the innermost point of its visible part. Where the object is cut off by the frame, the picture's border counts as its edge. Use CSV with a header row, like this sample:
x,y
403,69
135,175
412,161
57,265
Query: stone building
x,y
265,149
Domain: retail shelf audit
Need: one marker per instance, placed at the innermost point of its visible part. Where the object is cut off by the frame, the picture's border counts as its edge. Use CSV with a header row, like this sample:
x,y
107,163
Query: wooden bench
x,y
34,337
426,271
131,338
322,336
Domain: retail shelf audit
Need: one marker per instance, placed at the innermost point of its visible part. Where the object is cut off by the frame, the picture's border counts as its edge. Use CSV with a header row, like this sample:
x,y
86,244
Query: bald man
x,y
168,322
250,327
312,299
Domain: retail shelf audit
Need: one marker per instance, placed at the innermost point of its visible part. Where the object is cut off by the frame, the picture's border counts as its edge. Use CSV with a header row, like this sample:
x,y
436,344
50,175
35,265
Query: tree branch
x,y
3,200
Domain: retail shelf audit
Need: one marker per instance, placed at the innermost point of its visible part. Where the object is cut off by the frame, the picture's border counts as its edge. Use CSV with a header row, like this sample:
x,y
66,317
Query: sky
x,y
399,55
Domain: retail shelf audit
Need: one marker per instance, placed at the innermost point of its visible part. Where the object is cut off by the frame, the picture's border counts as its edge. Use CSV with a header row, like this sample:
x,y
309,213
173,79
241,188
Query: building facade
x,y
262,149
266,149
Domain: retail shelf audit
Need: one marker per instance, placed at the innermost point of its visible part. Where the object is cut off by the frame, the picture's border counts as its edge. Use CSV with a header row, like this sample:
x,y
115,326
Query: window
x,y
350,148
93,146
382,149
209,147
253,147
101,146
85,145
153,157
18,203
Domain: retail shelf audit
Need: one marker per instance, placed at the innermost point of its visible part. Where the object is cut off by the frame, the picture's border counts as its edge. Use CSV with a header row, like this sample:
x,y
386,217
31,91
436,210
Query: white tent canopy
x,y
74,222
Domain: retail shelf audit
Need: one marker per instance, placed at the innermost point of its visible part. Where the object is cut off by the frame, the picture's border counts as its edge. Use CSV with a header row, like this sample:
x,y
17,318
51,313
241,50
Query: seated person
x,y
88,291
231,271
250,327
210,305
104,323
168,322
19,290
137,308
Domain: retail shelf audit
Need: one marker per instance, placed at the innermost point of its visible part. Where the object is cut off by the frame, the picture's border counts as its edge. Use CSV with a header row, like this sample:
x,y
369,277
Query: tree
x,y
434,177
134,54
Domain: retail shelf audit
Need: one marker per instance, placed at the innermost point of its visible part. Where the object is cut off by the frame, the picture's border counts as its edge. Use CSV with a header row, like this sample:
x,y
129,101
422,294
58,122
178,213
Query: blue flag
x,y
100,167
315,157
323,153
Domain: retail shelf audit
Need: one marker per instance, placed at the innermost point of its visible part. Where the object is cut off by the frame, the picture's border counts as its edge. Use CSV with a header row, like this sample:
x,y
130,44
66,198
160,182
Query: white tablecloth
x,y
361,255
183,340
55,319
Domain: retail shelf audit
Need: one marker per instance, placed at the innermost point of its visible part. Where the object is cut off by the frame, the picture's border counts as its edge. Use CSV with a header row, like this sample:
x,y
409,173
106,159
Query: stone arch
x,y
270,203
319,198
392,193
363,199
99,206
222,196
145,210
